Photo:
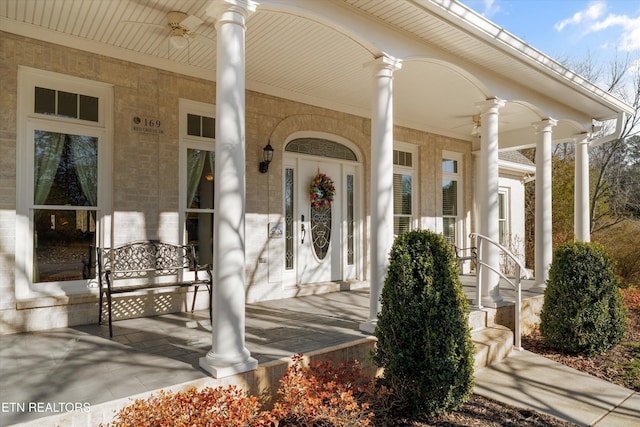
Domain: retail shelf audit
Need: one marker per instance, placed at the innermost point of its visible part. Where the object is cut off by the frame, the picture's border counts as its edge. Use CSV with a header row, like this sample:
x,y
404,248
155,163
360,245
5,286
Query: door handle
x,y
303,231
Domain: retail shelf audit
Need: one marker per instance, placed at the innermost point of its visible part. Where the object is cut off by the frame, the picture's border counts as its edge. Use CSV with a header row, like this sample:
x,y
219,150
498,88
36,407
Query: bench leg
x,y
195,295
193,303
100,308
109,306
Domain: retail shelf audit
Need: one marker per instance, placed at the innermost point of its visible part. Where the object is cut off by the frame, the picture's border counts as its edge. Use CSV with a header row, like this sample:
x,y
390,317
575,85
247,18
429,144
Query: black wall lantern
x,y
267,154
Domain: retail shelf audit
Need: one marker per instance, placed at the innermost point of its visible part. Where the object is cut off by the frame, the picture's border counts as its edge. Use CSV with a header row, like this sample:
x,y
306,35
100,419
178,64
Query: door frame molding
x,y
347,167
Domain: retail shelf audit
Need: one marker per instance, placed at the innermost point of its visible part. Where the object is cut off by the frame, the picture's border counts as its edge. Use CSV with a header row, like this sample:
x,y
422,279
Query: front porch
x,y
82,365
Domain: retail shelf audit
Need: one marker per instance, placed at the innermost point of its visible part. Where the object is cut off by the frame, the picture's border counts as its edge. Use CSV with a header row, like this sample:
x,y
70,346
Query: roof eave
x,y
477,25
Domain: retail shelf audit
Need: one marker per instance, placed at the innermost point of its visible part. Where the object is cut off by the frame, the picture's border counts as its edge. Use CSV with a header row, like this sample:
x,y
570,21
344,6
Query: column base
x,y
493,301
221,370
369,326
538,287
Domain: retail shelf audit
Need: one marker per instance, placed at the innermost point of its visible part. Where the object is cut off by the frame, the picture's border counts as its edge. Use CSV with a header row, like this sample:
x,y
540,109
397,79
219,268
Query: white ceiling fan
x,y
182,28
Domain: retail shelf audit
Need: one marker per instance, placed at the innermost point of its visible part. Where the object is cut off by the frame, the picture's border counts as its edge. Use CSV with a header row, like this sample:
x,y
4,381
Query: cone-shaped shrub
x,y
583,311
424,341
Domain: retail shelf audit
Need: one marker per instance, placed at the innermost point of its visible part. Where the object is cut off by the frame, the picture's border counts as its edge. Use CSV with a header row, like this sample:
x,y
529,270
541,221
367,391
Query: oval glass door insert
x,y
321,230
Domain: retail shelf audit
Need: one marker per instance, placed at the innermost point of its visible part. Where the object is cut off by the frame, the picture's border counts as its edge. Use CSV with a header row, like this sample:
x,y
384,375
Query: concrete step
x,y
492,344
477,320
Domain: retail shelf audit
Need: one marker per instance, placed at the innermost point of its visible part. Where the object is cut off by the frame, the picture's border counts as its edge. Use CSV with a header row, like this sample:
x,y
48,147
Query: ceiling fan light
x,y
178,42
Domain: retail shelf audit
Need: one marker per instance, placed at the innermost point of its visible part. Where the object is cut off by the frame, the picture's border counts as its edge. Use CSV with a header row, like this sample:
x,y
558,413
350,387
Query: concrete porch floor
x,y
81,365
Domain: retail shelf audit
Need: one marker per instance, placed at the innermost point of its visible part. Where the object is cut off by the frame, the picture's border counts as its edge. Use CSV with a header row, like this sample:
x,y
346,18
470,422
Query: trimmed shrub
x,y
318,394
322,394
583,311
209,407
424,340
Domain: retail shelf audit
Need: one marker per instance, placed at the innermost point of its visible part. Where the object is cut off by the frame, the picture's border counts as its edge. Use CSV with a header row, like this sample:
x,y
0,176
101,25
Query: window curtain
x,y
195,165
48,150
85,153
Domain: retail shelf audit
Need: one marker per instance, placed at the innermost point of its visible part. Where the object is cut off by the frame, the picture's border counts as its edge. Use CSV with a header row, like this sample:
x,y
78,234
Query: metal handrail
x,y
515,284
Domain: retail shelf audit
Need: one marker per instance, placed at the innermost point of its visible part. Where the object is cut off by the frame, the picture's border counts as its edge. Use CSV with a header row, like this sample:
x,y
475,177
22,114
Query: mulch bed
x,y
483,412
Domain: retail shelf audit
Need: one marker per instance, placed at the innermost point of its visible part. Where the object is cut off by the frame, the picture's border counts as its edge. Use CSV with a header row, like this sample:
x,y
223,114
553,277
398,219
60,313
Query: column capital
x,y
544,125
583,138
384,65
491,105
220,9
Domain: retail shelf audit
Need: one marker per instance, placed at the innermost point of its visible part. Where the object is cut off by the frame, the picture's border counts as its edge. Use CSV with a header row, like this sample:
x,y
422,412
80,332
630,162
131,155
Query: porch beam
x,y
228,354
543,205
381,180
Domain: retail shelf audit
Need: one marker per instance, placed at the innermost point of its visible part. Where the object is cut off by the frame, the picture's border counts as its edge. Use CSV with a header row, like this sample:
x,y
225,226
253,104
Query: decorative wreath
x,y
321,191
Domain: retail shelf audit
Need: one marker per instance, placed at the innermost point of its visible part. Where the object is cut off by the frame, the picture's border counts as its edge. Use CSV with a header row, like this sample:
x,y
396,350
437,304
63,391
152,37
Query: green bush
x,y
583,311
424,341
620,241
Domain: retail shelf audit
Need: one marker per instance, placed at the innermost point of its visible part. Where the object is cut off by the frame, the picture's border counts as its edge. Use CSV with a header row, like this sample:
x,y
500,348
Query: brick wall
x,y
145,170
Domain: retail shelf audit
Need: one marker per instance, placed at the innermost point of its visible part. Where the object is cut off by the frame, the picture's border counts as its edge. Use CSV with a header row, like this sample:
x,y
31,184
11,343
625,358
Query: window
x,y
64,206
65,104
503,224
197,176
451,198
289,200
63,184
201,126
403,188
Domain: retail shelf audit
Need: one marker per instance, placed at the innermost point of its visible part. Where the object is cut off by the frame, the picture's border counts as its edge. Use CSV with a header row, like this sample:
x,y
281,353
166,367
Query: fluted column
x,y
582,218
381,180
543,205
488,186
228,354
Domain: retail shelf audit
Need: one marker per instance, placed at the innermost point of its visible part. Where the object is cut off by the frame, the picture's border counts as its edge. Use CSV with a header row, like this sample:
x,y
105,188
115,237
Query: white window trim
x,y
27,122
507,215
413,172
186,106
459,177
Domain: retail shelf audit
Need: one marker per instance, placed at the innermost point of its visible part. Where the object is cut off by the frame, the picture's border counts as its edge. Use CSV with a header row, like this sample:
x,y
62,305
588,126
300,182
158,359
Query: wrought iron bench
x,y
146,265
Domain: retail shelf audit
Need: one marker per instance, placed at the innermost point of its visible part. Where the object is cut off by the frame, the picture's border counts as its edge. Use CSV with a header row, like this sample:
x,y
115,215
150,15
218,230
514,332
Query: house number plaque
x,y
147,125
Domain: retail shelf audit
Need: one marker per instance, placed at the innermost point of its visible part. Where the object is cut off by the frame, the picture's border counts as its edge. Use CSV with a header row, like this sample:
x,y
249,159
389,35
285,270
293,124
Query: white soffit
x,y
453,27
294,52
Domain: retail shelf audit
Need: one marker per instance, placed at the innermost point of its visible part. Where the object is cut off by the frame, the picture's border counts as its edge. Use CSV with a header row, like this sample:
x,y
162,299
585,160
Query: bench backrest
x,y
144,258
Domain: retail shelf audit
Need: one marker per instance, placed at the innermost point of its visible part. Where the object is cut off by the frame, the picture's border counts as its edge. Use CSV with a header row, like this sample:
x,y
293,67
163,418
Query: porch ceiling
x,y
298,50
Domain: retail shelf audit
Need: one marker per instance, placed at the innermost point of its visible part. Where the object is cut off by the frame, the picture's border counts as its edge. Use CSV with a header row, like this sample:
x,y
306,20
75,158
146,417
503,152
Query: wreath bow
x,y
321,191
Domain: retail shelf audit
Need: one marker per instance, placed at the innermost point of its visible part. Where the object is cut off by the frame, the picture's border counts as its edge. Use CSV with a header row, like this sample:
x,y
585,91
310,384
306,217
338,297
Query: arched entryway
x,y
323,241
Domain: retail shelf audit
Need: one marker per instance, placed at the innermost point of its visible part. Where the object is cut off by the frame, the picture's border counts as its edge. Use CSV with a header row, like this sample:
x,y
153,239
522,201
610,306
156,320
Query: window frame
x,y
411,171
506,232
459,178
28,121
186,142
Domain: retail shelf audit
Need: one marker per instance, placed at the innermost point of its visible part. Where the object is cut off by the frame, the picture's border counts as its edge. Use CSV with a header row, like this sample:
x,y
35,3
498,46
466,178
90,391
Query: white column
x,y
543,224
582,218
228,354
488,186
381,181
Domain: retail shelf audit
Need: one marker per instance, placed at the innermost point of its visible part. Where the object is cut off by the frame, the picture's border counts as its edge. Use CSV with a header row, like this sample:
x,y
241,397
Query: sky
x,y
570,29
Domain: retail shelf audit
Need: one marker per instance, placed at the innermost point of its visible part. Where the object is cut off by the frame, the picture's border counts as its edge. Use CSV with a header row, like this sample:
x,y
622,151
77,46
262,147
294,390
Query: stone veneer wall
x,y
145,174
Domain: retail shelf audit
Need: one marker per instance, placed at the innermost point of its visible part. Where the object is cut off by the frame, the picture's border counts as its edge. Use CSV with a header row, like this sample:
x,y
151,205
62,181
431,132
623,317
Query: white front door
x,y
320,228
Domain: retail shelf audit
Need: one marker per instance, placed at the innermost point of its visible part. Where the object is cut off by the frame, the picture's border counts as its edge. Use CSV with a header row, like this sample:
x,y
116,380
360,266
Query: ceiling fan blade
x,y
191,22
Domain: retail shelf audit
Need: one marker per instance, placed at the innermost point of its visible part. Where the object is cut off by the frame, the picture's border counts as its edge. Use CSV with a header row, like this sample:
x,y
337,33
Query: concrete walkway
x,y
530,381
43,373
